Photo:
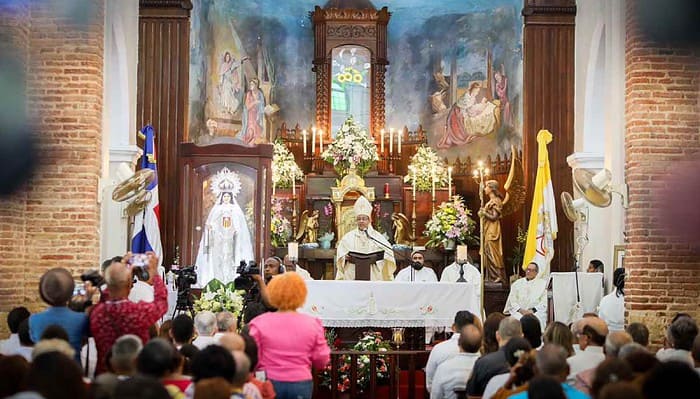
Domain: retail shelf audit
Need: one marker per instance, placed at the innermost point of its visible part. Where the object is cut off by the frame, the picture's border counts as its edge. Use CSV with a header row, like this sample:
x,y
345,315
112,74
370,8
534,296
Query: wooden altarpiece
x,y
334,27
198,165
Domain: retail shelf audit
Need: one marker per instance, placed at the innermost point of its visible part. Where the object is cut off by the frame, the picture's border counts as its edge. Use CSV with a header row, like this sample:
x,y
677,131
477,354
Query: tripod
x,y
184,302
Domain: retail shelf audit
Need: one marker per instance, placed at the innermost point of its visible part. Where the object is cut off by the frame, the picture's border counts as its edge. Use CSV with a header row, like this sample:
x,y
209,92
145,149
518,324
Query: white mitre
x,y
362,206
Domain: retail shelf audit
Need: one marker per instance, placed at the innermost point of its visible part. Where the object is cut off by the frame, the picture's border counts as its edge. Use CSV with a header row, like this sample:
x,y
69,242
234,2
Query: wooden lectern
x,y
363,262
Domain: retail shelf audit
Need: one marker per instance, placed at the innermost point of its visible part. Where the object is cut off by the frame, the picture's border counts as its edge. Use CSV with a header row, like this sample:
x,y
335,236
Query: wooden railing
x,y
396,361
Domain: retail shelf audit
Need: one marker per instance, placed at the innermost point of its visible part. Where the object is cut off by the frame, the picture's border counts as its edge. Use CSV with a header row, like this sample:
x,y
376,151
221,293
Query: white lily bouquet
x,y
353,146
285,171
217,297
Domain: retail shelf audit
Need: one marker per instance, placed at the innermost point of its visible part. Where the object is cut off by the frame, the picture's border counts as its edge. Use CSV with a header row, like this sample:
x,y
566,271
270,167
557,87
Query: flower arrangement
x,y
280,226
371,341
424,165
218,298
451,221
352,146
284,168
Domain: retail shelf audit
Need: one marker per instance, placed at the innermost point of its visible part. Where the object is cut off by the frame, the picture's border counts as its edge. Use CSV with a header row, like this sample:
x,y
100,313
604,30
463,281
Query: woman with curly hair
x,y
287,357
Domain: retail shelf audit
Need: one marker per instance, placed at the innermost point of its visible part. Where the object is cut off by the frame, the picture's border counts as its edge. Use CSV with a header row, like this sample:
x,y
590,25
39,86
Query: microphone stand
x,y
404,257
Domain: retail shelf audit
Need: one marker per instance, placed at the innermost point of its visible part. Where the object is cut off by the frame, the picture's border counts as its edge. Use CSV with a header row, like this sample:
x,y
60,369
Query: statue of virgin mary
x,y
226,238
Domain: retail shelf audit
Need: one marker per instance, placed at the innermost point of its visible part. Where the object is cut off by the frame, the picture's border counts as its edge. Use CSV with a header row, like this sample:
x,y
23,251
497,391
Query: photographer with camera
x,y
117,316
252,282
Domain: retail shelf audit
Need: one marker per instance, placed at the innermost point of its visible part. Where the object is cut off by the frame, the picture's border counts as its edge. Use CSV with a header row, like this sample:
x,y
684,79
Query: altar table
x,y
389,303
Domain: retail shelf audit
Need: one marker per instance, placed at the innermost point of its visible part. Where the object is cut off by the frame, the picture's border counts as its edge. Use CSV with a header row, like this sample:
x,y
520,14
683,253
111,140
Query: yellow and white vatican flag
x,y
542,230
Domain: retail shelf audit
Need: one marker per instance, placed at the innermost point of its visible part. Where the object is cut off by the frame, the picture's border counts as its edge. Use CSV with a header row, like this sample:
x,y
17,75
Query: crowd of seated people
x,y
134,353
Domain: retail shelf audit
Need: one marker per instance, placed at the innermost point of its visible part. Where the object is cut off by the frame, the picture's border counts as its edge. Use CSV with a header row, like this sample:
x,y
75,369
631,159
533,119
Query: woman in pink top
x,y
289,343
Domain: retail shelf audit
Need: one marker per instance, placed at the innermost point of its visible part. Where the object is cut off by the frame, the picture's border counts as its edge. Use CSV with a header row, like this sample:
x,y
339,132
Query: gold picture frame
x,y
618,256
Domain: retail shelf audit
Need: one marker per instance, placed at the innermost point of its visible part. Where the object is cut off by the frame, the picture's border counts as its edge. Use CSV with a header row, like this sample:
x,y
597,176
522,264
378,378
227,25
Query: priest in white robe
x,y
417,271
366,240
528,295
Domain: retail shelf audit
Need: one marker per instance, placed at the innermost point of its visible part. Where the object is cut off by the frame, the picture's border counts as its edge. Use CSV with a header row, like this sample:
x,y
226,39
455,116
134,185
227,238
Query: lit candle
x,y
461,253
381,141
391,140
320,141
449,181
414,184
313,140
399,134
293,250
303,134
433,176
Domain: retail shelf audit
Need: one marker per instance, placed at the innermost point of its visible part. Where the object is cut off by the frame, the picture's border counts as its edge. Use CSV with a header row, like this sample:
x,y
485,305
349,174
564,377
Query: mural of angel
x,y
229,84
225,238
308,227
491,214
253,114
402,229
501,87
471,116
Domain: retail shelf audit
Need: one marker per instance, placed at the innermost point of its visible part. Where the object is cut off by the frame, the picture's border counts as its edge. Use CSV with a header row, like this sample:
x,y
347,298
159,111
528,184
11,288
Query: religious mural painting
x,y
455,68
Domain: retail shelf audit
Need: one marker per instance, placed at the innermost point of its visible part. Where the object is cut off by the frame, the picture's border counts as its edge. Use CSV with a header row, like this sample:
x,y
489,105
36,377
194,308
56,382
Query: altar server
x,y
366,240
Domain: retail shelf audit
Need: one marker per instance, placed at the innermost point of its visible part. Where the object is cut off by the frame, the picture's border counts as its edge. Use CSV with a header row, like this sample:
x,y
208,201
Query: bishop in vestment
x,y
366,240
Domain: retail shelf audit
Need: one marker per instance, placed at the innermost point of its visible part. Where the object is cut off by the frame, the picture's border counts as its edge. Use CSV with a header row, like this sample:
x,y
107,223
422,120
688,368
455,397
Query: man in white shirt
x,y
528,295
293,267
680,336
205,324
454,372
416,270
447,349
14,318
141,290
591,342
467,271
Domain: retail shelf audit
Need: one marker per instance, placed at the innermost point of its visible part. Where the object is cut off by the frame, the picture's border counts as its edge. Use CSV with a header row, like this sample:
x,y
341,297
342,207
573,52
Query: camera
x,y
245,270
94,277
185,277
139,267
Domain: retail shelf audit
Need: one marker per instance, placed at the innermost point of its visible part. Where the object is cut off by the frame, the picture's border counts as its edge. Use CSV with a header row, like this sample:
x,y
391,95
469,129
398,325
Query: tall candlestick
x,y
391,140
303,134
320,141
399,134
313,140
381,142
294,186
449,181
273,188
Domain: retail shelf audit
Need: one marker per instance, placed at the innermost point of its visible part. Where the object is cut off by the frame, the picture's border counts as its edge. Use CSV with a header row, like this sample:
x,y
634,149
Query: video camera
x,y
245,270
185,277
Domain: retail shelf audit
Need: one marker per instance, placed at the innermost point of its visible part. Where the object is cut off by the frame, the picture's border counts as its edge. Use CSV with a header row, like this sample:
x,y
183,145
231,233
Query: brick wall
x,y
662,127
55,219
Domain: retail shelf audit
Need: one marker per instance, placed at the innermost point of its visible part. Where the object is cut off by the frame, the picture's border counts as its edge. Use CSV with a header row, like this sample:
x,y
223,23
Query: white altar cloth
x,y
389,303
564,294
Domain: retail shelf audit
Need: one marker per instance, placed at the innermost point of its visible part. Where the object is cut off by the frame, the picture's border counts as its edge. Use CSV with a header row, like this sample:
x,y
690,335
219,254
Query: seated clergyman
x,y
365,240
416,270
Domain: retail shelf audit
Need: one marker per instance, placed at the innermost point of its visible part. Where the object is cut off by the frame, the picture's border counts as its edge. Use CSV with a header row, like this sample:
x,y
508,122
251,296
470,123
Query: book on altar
x,y
371,257
362,263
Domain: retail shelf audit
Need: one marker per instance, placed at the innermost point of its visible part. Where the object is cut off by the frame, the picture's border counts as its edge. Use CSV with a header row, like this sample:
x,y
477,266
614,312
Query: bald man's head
x,y
118,276
470,339
232,341
551,361
56,286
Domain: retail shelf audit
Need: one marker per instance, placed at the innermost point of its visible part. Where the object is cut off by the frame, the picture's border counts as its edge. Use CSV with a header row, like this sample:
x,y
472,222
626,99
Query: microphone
x,y
403,257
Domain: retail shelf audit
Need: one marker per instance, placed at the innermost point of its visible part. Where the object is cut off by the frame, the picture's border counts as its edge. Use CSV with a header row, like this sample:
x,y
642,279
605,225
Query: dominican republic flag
x,y
146,235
